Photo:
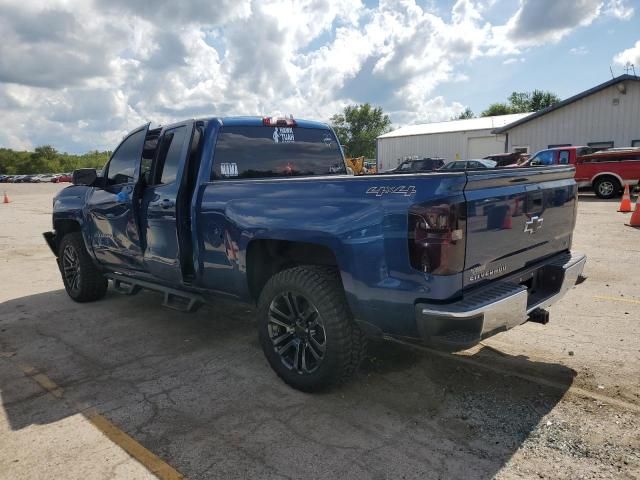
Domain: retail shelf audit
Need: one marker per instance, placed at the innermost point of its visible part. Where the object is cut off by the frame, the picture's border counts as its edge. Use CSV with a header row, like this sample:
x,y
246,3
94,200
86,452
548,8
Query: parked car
x,y
479,164
63,177
244,208
605,171
427,164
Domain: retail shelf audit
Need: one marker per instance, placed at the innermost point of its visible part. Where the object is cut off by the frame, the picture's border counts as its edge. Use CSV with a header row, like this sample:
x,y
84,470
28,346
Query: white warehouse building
x,y
605,116
453,140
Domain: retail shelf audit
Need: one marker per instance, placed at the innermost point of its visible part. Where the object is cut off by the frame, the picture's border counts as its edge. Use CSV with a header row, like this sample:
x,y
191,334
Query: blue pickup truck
x,y
254,209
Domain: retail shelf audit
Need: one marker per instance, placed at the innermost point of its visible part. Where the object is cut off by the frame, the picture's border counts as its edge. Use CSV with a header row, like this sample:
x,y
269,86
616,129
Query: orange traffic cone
x,y
635,216
6,198
625,205
507,223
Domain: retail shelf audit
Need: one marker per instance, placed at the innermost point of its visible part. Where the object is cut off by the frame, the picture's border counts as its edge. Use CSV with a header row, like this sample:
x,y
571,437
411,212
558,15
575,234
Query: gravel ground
x,y
554,401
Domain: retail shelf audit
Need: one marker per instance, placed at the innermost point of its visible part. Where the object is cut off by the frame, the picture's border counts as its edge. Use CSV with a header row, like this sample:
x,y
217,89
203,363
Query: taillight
x,y
436,238
279,121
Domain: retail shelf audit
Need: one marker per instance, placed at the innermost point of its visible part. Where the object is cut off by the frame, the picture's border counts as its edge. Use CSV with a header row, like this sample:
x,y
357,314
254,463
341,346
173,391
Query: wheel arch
x,y
266,257
64,226
607,174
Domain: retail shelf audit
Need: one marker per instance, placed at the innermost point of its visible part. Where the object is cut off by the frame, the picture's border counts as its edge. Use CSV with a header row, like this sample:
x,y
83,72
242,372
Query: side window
x,y
542,158
148,153
169,155
122,166
564,157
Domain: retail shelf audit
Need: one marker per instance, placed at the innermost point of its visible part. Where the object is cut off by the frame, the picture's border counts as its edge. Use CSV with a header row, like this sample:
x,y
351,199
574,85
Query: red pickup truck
x,y
606,171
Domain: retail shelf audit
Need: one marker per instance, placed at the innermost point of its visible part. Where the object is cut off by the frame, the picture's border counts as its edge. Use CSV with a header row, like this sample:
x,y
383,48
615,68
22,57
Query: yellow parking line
x,y
617,299
148,459
151,461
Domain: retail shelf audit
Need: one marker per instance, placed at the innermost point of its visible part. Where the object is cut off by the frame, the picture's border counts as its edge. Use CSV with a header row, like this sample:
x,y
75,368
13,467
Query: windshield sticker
x,y
229,169
283,135
327,140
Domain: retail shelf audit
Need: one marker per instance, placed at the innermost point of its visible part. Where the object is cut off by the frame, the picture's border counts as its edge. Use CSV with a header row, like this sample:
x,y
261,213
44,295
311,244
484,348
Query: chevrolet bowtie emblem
x,y
533,225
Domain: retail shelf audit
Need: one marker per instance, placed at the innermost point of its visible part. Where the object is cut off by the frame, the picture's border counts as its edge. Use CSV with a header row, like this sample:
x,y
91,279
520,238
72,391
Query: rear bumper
x,y
499,306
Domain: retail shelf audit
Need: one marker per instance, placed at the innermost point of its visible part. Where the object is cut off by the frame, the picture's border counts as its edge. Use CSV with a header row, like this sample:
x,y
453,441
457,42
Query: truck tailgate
x,y
515,217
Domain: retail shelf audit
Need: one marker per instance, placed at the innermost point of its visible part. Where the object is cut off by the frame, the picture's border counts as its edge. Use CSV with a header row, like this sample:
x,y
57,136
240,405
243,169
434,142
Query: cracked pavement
x,y
195,389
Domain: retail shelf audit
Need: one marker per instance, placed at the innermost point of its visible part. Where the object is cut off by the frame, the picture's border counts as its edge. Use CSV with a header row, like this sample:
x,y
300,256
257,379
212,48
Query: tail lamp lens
x,y
436,238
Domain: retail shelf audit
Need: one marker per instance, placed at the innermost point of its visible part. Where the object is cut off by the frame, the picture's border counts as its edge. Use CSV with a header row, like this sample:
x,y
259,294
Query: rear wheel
x,y
607,187
82,279
306,330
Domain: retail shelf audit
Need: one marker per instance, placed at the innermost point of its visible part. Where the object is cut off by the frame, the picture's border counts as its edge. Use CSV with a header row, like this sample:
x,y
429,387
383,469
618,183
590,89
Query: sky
x,y
79,74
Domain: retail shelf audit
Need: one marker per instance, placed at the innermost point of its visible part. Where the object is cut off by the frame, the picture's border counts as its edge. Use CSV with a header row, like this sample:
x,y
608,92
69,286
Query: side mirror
x,y
84,176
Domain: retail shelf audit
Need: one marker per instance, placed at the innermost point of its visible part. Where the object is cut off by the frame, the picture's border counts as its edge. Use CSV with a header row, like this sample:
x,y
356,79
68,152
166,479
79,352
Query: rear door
x,y
245,158
159,211
516,217
111,211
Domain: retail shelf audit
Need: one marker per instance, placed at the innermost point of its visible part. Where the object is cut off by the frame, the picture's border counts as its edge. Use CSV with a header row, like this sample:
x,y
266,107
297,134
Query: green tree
x,y
496,109
358,126
519,102
522,102
46,159
541,100
468,113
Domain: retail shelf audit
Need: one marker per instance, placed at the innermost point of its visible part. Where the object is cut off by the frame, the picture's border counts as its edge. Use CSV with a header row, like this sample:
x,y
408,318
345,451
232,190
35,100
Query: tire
x,y
325,347
607,187
82,280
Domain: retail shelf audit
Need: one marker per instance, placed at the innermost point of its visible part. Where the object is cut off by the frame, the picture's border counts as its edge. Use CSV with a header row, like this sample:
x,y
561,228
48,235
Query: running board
x,y
173,298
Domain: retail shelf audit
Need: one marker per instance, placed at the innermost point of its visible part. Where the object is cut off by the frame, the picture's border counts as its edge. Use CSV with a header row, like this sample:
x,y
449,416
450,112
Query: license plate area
x,y
542,283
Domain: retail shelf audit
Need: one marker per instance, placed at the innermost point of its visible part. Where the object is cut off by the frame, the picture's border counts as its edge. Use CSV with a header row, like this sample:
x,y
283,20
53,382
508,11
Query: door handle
x,y
166,203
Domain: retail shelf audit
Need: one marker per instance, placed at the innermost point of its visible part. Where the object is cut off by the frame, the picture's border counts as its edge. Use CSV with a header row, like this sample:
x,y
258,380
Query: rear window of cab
x,y
252,152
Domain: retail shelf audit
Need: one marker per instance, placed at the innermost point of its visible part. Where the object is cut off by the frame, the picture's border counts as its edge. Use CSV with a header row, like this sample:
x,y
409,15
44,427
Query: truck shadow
x,y
196,390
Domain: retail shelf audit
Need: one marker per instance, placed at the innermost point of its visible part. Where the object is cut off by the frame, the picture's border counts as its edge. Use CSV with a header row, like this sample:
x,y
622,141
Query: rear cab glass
x,y
253,152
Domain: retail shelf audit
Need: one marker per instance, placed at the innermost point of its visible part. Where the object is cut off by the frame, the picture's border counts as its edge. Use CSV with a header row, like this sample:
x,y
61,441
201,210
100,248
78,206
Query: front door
x,y
113,230
160,201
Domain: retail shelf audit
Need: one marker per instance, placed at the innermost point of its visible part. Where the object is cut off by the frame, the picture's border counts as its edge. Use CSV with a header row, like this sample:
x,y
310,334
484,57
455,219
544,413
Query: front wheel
x,y
306,329
82,279
606,187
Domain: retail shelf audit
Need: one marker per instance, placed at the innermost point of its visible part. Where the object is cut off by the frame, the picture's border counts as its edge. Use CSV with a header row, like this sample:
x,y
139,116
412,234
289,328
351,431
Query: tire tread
x,y
348,340
93,285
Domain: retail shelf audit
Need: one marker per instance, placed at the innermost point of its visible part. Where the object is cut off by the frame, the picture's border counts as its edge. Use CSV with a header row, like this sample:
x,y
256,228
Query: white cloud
x,y
581,50
80,74
619,9
512,60
630,55
540,21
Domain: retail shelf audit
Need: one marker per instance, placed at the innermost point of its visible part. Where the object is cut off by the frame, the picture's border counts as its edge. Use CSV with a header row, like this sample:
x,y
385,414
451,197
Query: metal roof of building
x,y
482,123
569,100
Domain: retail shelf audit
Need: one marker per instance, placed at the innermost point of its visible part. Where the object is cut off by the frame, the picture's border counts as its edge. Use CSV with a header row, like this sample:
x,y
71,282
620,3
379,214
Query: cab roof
x,y
257,122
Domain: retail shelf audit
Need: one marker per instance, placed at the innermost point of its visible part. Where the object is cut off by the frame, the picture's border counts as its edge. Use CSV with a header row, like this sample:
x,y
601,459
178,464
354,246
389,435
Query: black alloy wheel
x,y
297,332
71,268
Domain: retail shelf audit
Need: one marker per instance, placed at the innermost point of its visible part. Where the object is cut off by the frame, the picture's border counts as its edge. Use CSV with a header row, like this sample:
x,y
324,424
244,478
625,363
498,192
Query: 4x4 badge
x,y
405,190
533,225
